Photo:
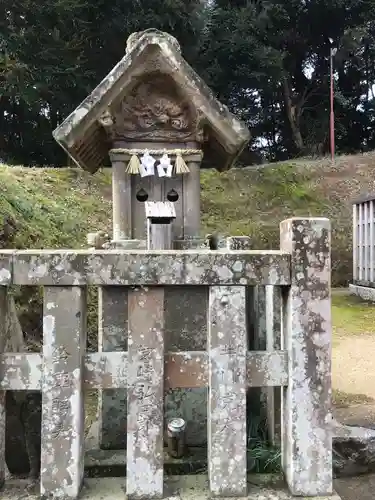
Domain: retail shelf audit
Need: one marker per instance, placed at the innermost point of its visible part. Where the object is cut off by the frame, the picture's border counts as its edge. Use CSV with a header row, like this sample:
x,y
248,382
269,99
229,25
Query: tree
x,y
53,53
279,63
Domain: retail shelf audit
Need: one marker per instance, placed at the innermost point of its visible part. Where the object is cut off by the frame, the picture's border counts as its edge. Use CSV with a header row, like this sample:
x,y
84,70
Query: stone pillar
x,y
63,418
307,435
145,460
264,331
273,343
227,443
113,310
121,202
192,201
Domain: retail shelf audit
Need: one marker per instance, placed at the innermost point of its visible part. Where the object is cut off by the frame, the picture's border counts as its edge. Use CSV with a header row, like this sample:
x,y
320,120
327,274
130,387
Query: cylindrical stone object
x,y
176,437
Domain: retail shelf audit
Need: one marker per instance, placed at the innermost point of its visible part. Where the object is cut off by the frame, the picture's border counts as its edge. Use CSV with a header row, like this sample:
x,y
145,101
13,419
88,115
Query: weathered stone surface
x,y
22,371
145,394
113,336
23,433
190,244
273,344
6,262
186,330
121,267
353,450
227,391
152,75
264,318
23,409
238,243
64,343
191,487
3,345
364,292
307,445
109,370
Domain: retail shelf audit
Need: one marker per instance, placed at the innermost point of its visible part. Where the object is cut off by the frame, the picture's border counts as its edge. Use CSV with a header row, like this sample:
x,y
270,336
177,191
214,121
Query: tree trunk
x,y
293,112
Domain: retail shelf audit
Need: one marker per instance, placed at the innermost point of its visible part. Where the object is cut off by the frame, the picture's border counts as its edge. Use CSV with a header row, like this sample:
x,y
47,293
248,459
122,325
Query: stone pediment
x,y
152,97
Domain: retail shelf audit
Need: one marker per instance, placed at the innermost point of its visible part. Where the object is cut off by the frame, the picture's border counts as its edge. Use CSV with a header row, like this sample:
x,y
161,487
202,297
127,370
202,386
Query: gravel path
x,y
353,365
353,372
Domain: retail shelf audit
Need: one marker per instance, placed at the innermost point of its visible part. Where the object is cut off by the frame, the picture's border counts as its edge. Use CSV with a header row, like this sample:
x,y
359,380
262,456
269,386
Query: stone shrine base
x,y
364,292
176,488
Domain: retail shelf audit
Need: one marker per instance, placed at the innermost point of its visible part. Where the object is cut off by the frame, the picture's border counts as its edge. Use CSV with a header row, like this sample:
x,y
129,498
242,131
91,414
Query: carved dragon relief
x,y
154,111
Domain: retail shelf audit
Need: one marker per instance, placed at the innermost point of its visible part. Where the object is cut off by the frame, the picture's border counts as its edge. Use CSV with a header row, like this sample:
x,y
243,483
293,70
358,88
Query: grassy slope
x,y
253,202
56,208
44,208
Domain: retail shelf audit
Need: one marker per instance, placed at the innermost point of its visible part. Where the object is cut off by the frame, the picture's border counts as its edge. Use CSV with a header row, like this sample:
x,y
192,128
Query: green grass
x,y
57,207
52,208
49,208
352,316
253,203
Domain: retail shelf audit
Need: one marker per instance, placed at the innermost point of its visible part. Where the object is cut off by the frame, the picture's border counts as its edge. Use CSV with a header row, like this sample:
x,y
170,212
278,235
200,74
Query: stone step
x,y
193,487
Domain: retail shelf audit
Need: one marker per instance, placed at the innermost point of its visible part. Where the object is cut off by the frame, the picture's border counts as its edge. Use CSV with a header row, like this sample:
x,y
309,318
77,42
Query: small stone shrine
x,y
160,124
177,357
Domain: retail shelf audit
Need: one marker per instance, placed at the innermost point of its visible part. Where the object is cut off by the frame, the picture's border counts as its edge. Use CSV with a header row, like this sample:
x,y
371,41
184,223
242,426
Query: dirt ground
x,y
353,378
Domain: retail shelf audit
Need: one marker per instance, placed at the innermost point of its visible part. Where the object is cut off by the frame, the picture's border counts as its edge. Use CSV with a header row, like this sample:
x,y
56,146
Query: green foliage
x,y
53,53
255,55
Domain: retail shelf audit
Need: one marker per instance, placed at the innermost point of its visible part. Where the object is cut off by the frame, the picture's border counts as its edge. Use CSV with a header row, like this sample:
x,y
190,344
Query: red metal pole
x,y
332,115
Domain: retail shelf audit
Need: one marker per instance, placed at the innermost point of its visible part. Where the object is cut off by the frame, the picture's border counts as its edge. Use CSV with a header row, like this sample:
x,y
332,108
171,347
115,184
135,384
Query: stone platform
x,y
194,487
364,292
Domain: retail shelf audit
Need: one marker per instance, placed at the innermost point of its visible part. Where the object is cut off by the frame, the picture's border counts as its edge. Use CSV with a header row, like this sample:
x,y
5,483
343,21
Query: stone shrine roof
x,y
152,97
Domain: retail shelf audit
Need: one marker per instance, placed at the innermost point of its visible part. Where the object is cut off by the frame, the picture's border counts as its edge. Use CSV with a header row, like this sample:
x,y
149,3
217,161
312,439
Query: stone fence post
x,y
306,334
63,417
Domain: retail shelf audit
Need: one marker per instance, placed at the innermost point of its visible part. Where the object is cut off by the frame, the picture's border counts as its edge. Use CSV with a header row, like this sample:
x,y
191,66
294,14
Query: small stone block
x,y
227,391
239,243
64,343
144,478
307,449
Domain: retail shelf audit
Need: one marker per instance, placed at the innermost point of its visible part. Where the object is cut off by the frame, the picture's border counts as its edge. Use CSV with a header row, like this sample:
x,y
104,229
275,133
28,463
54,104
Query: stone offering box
x,y
184,331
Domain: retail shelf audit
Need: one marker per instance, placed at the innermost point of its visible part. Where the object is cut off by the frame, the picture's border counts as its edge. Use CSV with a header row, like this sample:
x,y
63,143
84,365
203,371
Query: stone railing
x,y
63,371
